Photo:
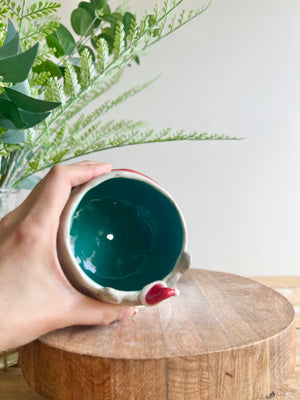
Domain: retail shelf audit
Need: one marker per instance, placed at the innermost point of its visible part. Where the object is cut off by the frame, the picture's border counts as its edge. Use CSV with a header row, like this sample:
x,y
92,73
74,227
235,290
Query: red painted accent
x,y
158,293
135,172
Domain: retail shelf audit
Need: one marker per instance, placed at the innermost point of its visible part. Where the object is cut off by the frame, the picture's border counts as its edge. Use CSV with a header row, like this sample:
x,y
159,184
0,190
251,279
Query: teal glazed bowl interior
x,y
121,231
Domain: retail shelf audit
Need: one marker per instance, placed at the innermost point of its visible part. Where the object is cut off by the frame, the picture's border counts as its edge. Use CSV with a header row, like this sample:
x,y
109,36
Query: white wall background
x,y
236,71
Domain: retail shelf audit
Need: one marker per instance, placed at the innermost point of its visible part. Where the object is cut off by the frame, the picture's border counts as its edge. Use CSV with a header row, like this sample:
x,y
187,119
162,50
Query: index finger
x,y
49,197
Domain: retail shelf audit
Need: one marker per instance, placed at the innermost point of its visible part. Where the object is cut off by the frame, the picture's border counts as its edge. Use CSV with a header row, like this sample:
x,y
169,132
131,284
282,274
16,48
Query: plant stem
x,y
22,15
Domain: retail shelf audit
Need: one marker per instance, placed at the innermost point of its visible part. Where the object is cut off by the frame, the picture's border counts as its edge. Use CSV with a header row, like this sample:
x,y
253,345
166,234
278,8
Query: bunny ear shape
x,y
156,292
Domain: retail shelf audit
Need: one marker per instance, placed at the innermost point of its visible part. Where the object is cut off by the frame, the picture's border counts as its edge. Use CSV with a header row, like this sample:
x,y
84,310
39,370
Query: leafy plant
x,y
47,87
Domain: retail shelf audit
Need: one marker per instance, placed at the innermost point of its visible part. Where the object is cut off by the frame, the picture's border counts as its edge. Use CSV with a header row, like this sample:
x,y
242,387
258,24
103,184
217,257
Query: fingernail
x,y
127,312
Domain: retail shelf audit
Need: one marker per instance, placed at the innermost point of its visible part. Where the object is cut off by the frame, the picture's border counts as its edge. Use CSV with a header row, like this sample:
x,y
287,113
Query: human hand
x,y
35,296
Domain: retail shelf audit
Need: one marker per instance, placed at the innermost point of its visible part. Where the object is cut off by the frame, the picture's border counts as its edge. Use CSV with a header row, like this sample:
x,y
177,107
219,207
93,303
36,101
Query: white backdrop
x,y
236,71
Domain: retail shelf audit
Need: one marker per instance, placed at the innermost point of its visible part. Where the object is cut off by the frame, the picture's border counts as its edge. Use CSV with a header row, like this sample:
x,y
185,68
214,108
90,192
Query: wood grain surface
x,y
226,337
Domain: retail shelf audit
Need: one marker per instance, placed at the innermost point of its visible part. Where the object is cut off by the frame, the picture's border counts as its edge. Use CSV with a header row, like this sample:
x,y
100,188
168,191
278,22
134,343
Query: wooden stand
x,y
224,338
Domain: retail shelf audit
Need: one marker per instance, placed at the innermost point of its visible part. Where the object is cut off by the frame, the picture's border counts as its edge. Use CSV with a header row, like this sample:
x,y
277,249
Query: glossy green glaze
x,y
125,234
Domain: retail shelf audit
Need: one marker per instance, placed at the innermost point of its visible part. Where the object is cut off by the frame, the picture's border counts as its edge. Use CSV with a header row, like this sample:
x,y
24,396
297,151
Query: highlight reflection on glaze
x,y
124,232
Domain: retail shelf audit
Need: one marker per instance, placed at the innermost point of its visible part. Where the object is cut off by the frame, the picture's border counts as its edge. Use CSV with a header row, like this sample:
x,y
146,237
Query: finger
x,y
94,312
49,197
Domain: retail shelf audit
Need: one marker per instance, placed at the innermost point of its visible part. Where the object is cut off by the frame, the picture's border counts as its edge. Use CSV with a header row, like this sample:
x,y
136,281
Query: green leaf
x,y
16,68
129,22
29,183
108,35
9,112
33,119
10,32
71,84
49,66
22,87
13,136
10,48
117,16
82,48
112,19
90,9
28,103
102,55
119,40
6,123
82,21
62,40
101,5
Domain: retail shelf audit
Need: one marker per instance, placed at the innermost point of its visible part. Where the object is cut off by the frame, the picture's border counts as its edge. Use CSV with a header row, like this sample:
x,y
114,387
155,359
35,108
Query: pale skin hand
x,y
35,296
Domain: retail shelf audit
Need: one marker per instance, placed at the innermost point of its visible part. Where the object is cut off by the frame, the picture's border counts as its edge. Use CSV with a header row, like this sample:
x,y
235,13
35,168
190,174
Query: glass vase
x,y
9,199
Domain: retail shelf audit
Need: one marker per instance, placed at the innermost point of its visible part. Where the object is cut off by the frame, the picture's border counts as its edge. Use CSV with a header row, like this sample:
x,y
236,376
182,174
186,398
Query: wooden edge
x,y
61,375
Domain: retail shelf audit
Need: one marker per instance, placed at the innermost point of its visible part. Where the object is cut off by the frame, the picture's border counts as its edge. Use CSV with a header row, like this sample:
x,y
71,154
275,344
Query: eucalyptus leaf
x,y
29,103
16,68
13,136
29,183
75,61
33,119
101,5
82,21
10,32
22,87
117,16
112,19
6,123
90,9
61,40
10,112
11,48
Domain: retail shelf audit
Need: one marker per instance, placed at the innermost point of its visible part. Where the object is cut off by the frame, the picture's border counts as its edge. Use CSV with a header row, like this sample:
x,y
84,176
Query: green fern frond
x,y
3,12
102,60
35,31
14,9
36,164
149,136
113,134
54,91
87,69
98,139
119,40
45,53
132,32
41,9
71,84
85,121
39,79
57,150
183,18
123,7
92,95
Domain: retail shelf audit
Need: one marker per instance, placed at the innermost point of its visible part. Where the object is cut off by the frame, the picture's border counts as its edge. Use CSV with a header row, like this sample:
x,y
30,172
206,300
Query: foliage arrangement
x,y
48,78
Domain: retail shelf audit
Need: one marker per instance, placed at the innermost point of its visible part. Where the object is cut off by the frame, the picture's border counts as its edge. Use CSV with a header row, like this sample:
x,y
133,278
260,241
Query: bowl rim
x,y
77,276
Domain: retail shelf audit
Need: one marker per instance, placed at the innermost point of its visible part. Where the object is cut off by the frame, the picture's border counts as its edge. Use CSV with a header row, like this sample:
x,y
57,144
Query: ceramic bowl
x,y
122,239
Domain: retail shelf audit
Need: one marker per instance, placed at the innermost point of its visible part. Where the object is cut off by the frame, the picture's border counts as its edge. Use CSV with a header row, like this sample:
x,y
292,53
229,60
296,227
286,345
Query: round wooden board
x,y
224,338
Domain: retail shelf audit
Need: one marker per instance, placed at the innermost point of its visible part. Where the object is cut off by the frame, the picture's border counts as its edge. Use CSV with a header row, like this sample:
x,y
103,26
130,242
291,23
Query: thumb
x,y
90,311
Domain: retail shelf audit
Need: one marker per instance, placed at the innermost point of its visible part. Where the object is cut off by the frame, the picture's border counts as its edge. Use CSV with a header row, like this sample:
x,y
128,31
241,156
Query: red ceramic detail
x,y
158,293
